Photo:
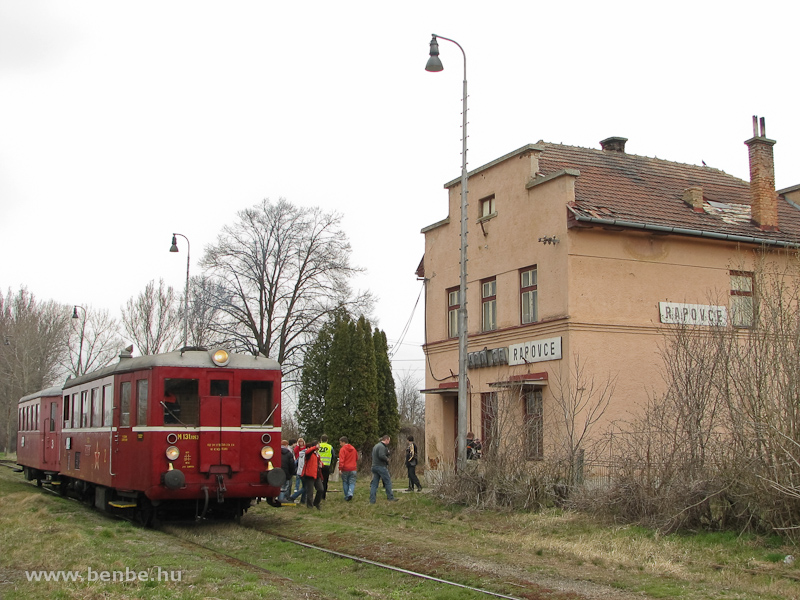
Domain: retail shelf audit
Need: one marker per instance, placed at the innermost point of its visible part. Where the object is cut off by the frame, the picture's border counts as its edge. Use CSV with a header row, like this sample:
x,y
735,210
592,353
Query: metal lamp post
x,y
83,330
435,65
174,248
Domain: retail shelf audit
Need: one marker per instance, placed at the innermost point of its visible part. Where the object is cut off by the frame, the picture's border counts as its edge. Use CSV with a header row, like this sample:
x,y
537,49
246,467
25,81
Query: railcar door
x,y
51,446
220,425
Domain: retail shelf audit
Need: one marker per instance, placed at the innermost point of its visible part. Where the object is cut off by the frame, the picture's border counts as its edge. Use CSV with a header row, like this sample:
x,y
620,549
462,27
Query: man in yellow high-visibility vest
x,y
328,456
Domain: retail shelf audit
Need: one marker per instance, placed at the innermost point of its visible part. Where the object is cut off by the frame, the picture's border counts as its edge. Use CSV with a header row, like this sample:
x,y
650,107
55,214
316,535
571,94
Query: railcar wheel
x,y
239,511
146,514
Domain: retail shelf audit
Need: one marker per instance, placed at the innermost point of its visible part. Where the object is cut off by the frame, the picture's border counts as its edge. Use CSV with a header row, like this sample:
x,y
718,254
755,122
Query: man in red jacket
x,y
312,475
348,464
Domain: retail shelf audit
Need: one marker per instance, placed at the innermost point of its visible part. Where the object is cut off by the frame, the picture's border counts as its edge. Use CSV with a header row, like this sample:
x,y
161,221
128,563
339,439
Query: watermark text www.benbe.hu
x,y
91,575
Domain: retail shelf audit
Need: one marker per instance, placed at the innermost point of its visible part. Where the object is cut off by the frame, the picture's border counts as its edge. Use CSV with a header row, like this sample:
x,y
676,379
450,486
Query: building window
x,y
534,423
452,312
489,296
528,295
487,207
742,298
489,420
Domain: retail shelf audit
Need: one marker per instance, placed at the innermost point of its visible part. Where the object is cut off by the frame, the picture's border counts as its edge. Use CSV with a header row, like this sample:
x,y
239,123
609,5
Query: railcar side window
x,y
53,415
108,405
125,404
181,402
67,413
97,408
76,411
257,406
84,408
141,402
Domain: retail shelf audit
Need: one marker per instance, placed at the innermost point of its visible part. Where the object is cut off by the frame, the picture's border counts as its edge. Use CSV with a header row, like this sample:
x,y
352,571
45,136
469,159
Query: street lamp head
x,y
174,247
434,64
74,312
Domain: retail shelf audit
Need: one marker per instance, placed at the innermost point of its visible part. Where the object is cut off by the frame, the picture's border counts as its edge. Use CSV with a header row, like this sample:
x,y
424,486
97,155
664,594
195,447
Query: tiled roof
x,y
629,189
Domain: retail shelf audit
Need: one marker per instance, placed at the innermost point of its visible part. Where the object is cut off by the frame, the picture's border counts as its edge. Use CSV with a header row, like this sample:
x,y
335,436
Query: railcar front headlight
x,y
266,453
220,357
173,452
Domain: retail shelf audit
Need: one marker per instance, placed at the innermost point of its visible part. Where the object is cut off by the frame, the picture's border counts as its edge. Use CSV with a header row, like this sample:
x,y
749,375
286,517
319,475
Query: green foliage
x,y
350,407
339,401
388,415
347,388
314,384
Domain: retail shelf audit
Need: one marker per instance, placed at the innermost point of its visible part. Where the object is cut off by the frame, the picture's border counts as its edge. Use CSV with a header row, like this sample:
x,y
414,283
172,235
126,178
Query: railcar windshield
x,y
181,402
257,406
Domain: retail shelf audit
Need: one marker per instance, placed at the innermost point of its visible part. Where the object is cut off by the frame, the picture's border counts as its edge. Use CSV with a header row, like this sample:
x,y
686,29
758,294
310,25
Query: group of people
x,y
311,466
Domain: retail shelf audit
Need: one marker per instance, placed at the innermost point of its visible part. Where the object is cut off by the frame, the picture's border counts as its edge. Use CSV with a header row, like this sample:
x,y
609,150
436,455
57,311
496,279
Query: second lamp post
x,y
435,65
174,248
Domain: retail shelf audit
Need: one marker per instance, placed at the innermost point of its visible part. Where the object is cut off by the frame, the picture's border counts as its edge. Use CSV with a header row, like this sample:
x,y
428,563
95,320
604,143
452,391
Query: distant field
x,y
550,555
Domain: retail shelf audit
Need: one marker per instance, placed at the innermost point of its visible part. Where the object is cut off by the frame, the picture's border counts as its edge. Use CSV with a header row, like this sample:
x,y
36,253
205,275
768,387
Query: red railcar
x,y
192,431
39,430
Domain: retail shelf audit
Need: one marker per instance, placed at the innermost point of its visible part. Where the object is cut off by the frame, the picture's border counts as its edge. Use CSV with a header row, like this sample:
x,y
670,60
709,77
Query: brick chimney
x,y
693,196
614,144
764,200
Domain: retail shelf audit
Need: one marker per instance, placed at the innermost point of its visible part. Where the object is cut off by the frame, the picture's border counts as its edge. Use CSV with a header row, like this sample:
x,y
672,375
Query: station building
x,y
583,256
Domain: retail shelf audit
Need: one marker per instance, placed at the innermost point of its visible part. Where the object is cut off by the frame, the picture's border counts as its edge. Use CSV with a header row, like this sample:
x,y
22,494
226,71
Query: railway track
x,y
164,529
341,555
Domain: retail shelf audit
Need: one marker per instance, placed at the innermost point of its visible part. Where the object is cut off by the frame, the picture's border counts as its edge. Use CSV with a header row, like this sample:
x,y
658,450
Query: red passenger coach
x,y
193,432
39,429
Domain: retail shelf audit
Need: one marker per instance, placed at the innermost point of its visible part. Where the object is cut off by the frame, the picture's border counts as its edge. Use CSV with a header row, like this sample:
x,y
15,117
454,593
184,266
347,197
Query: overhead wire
x,y
403,333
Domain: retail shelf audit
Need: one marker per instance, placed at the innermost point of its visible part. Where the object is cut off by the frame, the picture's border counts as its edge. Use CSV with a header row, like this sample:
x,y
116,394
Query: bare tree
x,y
204,311
579,403
410,403
280,270
32,347
93,341
719,448
152,319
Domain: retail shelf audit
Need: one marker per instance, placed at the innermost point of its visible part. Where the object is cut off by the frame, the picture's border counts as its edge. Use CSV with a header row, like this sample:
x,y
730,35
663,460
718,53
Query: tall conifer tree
x,y
314,384
364,401
388,415
339,400
347,385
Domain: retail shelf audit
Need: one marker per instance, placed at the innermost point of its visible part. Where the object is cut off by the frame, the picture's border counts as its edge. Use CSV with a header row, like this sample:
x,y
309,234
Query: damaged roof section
x,y
624,190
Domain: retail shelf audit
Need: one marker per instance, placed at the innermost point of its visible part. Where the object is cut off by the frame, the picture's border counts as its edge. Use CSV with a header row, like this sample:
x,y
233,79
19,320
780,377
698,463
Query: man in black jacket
x,y
380,470
289,466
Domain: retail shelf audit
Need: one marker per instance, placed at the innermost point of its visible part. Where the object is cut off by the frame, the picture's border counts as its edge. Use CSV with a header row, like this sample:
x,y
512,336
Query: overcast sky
x,y
121,122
